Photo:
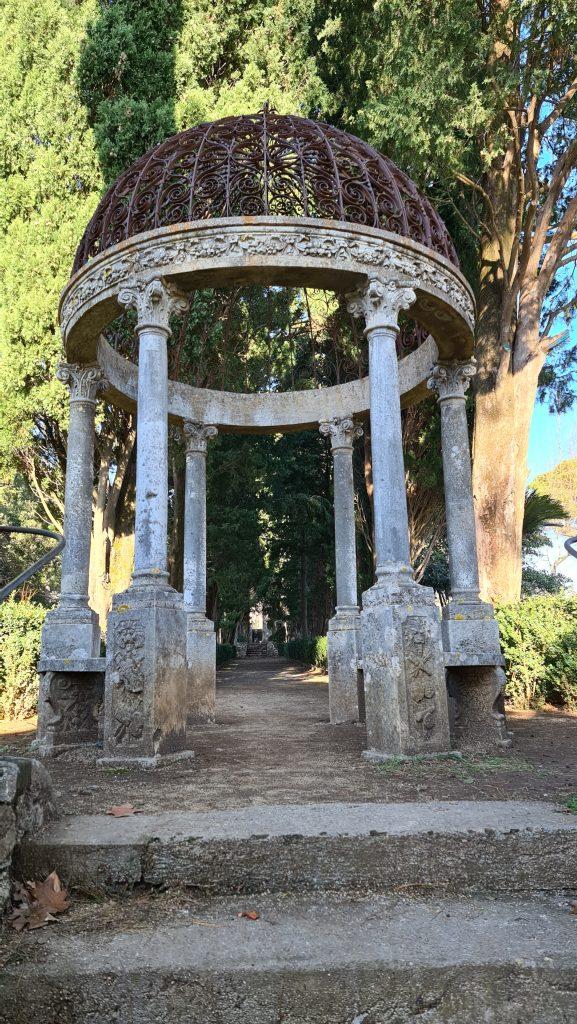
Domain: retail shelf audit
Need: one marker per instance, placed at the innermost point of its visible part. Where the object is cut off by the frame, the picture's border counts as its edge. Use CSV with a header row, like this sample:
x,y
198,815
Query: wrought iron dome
x,y
258,165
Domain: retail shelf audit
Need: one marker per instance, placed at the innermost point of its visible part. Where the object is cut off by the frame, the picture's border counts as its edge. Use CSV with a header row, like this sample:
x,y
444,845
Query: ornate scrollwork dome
x,y
261,165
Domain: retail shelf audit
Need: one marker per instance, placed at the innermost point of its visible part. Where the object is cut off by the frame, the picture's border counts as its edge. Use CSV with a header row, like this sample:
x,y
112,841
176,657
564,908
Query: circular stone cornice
x,y
268,250
259,165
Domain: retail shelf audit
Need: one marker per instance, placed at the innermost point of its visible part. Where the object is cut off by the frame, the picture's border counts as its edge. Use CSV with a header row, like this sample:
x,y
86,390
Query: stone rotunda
x,y
275,200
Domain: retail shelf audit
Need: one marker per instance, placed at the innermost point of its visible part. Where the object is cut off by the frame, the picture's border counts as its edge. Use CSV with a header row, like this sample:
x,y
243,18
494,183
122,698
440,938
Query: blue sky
x,y
553,438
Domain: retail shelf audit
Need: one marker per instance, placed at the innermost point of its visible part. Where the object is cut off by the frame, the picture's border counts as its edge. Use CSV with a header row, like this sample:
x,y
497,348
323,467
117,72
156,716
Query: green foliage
x,y
539,639
311,651
20,633
541,512
224,654
541,581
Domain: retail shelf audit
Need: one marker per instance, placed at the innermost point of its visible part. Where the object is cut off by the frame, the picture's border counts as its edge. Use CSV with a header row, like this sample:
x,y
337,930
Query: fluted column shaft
x,y
85,382
450,381
342,432
196,438
380,303
155,301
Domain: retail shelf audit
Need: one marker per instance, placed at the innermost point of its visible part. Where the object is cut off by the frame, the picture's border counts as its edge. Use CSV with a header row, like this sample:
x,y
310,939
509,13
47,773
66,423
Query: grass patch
x,y
571,803
467,768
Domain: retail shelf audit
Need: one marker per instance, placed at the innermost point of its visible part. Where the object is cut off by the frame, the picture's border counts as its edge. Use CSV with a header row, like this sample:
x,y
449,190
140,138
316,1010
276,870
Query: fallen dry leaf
x,y
123,810
251,915
38,902
573,907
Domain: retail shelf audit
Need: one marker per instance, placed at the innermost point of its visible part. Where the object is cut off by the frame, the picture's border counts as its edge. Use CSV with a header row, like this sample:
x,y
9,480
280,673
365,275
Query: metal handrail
x,y
569,546
24,576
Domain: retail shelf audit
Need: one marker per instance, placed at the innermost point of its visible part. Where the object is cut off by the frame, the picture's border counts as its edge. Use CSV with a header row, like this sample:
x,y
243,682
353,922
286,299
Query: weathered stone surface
x,y
146,675
201,669
453,847
26,802
479,721
69,706
346,695
404,670
331,960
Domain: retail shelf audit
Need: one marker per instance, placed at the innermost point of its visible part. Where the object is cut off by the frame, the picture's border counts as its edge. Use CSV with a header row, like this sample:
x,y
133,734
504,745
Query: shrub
x,y
539,639
311,650
20,633
224,654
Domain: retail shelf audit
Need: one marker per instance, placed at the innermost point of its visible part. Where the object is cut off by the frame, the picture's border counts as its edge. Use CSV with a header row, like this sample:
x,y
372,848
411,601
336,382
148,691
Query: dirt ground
x,y
273,744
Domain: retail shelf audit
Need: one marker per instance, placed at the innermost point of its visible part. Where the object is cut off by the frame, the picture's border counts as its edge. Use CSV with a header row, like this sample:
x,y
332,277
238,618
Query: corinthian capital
x,y
342,432
380,302
154,301
197,436
85,380
451,379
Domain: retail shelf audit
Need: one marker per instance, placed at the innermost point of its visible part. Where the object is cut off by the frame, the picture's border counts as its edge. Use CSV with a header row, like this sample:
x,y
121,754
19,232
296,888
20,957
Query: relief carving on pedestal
x,y
129,681
420,670
71,705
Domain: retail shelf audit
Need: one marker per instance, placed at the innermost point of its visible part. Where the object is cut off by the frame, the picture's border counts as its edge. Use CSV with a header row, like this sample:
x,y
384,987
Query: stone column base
x,y
404,670
70,632
145,696
471,630
345,679
477,711
201,667
69,705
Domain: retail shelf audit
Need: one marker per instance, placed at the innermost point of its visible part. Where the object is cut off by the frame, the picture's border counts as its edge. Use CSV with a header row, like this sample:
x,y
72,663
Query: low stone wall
x,y
26,802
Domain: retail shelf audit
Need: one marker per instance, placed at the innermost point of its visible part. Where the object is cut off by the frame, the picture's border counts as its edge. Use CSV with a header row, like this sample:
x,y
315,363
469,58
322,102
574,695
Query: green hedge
x,y
311,651
539,639
224,654
20,633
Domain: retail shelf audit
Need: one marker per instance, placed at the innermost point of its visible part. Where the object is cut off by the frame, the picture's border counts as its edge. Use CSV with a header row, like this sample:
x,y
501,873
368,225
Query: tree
x,y
477,99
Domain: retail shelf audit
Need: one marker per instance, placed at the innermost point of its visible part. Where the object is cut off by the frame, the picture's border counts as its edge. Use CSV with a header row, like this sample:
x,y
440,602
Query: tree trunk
x,y
500,446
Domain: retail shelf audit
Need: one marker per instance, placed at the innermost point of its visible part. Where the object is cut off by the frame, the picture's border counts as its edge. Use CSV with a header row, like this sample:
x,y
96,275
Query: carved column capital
x,y
342,431
197,436
85,380
155,302
451,379
380,302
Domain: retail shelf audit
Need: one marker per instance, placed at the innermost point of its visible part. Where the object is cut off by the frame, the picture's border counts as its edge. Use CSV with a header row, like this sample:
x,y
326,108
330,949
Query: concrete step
x,y
451,847
329,959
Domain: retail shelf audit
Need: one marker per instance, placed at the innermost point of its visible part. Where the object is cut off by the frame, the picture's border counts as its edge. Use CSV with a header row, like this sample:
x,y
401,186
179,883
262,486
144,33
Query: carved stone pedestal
x,y
470,630
404,671
146,677
478,721
70,703
201,667
345,679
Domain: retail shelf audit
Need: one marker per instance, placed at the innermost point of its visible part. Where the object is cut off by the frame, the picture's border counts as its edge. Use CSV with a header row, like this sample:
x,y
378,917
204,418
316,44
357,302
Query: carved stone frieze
x,y
451,379
420,674
343,431
84,380
283,244
129,676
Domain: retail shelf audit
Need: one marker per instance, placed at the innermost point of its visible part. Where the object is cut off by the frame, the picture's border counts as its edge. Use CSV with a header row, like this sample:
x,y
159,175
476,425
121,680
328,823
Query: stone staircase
x,y
261,649
445,913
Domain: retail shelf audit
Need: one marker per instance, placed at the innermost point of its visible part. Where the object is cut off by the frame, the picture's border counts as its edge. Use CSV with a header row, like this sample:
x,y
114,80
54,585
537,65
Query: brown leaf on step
x,y
50,894
38,903
573,907
123,810
251,915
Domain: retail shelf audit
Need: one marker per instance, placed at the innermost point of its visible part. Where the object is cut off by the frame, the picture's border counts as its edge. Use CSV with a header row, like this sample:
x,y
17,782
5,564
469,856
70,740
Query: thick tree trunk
x,y
500,446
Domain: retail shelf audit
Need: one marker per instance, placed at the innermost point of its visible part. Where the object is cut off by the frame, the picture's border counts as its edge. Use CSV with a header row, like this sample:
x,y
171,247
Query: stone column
x,y
344,628
200,635
146,673
72,630
403,664
470,630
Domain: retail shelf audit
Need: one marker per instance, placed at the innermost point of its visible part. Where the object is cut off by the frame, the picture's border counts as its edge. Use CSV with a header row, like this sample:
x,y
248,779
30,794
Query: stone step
x,y
452,847
327,959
